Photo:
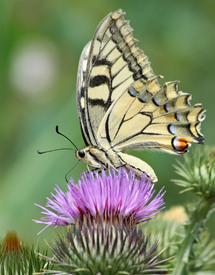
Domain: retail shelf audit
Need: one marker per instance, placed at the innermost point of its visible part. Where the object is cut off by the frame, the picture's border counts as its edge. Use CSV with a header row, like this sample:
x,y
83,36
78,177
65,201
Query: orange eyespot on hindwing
x,y
180,145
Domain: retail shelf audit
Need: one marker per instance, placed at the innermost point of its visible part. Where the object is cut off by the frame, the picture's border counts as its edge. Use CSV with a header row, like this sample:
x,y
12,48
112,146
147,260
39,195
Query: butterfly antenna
x,y
66,178
58,132
53,150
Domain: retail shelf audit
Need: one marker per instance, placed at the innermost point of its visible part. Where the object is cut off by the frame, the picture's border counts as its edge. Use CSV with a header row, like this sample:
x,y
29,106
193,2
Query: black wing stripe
x,y
98,80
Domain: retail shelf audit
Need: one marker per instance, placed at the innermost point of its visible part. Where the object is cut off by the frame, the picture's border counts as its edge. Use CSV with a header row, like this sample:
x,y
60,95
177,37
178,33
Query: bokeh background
x,y
40,45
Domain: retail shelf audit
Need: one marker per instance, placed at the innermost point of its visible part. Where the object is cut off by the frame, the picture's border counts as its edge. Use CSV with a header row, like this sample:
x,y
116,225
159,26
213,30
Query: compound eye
x,y
81,154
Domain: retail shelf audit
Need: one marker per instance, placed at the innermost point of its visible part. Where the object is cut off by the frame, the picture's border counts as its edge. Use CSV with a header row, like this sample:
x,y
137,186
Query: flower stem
x,y
197,221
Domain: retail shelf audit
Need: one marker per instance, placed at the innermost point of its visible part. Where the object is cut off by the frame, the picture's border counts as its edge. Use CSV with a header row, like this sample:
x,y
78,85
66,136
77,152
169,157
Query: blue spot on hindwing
x,y
166,107
142,99
177,116
172,129
156,101
132,92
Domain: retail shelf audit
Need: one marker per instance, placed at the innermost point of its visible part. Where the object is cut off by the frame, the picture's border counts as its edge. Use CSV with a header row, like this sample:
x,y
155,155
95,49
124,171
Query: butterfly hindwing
x,y
108,65
148,116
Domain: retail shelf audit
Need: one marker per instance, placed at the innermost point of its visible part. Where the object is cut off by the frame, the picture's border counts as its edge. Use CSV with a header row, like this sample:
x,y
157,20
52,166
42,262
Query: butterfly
x,y
121,104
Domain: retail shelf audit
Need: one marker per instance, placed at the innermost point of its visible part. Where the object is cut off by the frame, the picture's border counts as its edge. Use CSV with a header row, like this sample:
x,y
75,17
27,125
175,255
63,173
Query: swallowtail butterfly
x,y
122,106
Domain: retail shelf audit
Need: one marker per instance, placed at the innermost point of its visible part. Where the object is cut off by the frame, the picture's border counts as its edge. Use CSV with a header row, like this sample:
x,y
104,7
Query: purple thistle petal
x,y
117,195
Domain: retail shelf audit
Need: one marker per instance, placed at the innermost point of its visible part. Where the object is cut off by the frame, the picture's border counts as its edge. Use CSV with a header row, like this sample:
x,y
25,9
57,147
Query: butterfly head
x,y
89,156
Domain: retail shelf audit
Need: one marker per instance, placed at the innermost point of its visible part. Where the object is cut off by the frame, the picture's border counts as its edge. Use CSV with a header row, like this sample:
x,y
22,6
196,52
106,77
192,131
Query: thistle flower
x,y
197,173
18,258
102,248
113,196
175,213
171,234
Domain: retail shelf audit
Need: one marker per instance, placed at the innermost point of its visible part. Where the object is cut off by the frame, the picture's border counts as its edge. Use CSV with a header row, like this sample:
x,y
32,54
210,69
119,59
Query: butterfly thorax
x,y
99,158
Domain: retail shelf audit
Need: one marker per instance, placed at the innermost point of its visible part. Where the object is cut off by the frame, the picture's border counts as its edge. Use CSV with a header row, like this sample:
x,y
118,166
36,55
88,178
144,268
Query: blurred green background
x,y
40,45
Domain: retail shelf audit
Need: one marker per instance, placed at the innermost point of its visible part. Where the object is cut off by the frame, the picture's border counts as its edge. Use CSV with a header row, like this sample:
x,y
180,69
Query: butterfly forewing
x,y
108,65
81,102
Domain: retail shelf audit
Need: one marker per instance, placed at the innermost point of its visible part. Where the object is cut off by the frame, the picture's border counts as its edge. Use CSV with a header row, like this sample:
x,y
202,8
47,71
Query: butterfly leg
x,y
94,169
